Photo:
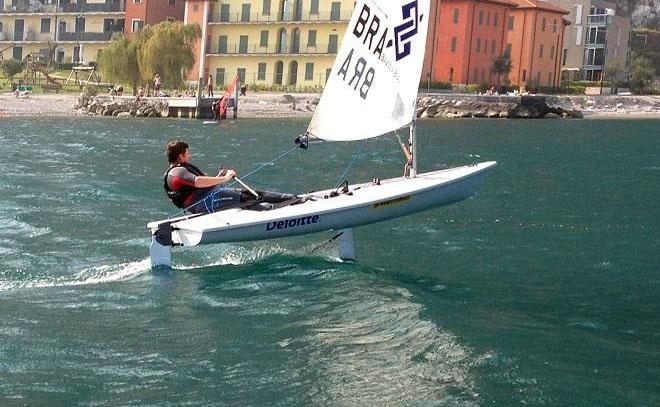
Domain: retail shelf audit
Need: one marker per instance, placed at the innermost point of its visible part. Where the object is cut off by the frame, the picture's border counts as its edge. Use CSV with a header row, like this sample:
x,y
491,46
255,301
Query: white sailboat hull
x,y
362,205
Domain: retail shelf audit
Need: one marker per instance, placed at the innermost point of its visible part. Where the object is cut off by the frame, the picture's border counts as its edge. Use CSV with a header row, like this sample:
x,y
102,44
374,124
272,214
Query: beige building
x,y
597,37
61,30
288,43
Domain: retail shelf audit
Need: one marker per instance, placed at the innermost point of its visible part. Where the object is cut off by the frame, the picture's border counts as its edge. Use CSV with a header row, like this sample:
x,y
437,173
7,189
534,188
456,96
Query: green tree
x,y
11,67
501,66
167,49
642,72
118,62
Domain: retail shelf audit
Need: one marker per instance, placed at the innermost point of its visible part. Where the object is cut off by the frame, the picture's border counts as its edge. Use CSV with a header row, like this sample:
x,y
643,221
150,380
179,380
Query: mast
x,y
413,145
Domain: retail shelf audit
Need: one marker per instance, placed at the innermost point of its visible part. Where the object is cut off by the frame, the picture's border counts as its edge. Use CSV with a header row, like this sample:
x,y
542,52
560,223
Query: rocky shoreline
x,y
277,105
123,108
492,107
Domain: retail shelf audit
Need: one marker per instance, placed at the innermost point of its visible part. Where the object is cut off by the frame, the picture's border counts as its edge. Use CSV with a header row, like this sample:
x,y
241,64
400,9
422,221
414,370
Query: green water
x,y
543,289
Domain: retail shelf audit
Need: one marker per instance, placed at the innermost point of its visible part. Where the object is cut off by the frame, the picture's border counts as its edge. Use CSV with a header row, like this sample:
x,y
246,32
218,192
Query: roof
x,y
541,5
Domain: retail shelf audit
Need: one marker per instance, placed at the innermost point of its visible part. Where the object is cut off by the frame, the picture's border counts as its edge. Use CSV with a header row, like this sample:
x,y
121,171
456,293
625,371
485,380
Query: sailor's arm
x,y
221,178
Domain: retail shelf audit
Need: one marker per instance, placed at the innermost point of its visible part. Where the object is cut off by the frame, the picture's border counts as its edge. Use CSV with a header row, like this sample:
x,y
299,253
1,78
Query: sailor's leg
x,y
346,245
274,197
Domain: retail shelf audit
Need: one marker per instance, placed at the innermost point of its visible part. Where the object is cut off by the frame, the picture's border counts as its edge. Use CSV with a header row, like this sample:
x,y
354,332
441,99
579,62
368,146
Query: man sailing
x,y
190,189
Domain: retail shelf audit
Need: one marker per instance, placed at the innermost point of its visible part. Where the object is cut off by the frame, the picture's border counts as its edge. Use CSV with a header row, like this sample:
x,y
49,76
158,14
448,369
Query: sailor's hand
x,y
230,174
222,172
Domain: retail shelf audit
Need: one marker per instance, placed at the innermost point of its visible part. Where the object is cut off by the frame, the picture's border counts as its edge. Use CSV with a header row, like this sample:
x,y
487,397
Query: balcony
x,y
23,8
599,20
93,8
258,18
36,7
83,36
236,49
33,36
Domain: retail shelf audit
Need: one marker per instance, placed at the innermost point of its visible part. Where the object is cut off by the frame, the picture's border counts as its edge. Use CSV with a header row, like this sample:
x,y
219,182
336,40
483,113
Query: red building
x,y
466,36
535,31
150,12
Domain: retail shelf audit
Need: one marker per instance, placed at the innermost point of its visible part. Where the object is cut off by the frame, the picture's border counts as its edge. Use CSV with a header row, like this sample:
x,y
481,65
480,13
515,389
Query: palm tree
x,y
501,66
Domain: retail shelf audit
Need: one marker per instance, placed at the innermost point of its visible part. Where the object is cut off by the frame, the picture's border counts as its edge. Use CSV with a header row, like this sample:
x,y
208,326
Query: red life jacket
x,y
181,195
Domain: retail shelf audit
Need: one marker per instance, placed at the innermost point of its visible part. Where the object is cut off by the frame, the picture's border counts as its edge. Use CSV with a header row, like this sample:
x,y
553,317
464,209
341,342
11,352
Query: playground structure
x,y
35,67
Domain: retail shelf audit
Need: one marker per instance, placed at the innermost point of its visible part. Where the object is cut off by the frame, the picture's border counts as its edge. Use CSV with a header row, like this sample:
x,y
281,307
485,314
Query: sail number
x,y
362,76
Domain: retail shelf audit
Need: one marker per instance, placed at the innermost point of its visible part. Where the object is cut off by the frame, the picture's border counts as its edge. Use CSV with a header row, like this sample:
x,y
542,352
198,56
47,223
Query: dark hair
x,y
175,149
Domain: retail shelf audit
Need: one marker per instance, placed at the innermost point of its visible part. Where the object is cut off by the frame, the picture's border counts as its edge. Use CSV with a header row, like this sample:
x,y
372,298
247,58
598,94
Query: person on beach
x,y
190,189
157,84
209,84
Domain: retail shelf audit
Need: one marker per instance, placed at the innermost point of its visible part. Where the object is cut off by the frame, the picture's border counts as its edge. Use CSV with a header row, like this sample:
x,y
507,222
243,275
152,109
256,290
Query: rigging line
x,y
267,164
355,157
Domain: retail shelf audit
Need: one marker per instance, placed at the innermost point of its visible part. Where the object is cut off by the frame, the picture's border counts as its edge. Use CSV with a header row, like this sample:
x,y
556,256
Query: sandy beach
x,y
265,105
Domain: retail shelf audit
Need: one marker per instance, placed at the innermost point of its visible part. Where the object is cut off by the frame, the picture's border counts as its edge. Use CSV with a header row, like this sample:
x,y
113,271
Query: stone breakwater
x,y
512,107
122,107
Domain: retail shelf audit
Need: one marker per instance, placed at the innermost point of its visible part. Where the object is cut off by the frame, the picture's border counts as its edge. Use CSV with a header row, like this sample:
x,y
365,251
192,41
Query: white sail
x,y
373,85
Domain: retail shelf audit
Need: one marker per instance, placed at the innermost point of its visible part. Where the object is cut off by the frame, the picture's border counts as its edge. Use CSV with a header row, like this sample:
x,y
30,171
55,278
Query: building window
x,y
264,39
171,2
488,18
478,45
314,7
335,11
541,51
492,47
245,12
511,20
524,78
261,71
137,1
171,19
108,24
332,43
451,74
456,12
224,13
549,78
136,25
508,49
538,78
241,74
266,8
552,52
565,56
17,53
543,25
309,71
243,44
45,25
220,76
453,44
496,19
554,26
222,44
481,17
195,8
311,38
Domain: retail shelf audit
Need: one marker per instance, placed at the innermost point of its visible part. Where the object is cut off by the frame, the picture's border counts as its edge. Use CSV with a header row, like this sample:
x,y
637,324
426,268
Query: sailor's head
x,y
177,152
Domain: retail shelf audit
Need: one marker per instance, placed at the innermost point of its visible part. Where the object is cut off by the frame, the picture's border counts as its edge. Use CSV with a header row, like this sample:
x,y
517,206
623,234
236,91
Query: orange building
x,y
535,30
150,12
466,36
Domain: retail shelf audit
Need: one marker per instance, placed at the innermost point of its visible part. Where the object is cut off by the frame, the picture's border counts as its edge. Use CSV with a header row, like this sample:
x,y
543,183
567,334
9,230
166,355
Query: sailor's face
x,y
185,157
